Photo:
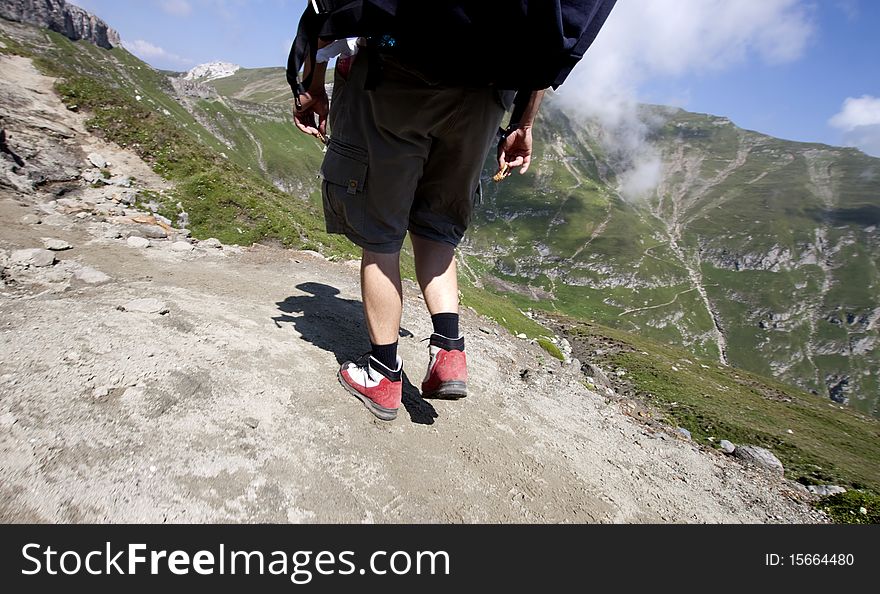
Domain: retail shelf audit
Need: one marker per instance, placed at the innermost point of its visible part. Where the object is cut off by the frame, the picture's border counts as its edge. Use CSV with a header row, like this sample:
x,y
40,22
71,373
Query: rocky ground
x,y
149,377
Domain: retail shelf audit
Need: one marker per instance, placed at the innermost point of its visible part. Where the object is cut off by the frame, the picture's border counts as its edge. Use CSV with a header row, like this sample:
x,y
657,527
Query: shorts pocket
x,y
344,170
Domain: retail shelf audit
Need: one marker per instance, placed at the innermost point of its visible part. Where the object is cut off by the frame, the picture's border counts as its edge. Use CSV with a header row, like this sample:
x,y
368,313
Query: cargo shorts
x,y
405,155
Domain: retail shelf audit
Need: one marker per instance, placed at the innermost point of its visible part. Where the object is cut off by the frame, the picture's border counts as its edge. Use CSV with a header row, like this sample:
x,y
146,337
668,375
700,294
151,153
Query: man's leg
x,y
377,378
382,296
437,275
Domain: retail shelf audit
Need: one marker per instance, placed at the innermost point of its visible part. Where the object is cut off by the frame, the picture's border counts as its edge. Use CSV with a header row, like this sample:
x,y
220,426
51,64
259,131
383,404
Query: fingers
x,y
300,119
527,160
517,162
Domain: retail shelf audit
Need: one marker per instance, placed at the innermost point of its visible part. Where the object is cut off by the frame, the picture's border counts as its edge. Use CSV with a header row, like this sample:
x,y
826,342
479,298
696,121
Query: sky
x,y
797,69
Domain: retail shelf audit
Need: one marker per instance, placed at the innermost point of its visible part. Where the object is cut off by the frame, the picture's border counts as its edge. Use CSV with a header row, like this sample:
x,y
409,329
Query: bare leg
x,y
437,274
382,295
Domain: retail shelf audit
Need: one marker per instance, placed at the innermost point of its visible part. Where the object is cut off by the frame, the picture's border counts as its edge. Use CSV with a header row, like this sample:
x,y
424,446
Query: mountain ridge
x,y
57,15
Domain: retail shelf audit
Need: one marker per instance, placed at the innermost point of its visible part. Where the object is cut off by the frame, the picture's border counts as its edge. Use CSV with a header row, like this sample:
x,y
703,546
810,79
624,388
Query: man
x,y
412,121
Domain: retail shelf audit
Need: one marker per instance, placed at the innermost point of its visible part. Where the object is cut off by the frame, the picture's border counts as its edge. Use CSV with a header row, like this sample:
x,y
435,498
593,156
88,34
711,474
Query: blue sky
x,y
798,69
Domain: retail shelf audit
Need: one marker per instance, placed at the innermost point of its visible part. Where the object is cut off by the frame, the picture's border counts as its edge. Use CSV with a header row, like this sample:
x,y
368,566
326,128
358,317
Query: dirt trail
x,y
226,408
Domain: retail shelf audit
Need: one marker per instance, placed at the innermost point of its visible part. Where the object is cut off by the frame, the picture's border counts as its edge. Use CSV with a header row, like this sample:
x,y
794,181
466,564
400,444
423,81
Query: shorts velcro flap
x,y
345,165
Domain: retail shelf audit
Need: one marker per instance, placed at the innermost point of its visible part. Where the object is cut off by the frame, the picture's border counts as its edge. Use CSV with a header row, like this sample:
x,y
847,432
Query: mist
x,y
643,41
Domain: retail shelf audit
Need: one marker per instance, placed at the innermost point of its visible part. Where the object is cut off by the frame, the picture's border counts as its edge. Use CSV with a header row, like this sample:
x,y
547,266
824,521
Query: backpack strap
x,y
305,44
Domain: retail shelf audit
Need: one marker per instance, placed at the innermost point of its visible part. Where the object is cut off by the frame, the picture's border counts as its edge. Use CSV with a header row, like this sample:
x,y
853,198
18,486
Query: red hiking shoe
x,y
447,369
378,387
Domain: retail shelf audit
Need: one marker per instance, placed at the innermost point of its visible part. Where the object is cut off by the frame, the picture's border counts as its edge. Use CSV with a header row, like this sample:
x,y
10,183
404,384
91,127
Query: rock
x,y
7,420
825,490
600,379
127,198
146,305
30,219
521,336
211,242
863,511
182,246
101,392
90,176
485,330
683,432
56,245
251,422
123,181
138,242
90,275
163,220
727,447
56,15
97,160
32,257
759,457
151,231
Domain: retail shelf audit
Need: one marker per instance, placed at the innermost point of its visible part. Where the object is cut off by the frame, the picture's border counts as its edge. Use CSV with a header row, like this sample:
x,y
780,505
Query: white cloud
x,y
153,53
176,7
856,112
859,122
665,39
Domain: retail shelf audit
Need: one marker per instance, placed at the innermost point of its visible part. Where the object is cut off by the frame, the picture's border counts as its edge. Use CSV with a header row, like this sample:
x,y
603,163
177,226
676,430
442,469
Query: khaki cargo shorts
x,y
405,156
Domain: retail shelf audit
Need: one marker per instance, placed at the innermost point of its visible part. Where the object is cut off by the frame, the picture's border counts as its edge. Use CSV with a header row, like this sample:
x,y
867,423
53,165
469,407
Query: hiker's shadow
x,y
336,325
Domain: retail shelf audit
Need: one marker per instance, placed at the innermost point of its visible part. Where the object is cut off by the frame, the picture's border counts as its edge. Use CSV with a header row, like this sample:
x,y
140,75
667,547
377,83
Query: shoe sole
x,y
451,390
385,414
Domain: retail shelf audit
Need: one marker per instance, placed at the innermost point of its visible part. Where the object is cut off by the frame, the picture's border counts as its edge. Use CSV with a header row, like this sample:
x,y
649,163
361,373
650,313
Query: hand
x,y
314,103
515,150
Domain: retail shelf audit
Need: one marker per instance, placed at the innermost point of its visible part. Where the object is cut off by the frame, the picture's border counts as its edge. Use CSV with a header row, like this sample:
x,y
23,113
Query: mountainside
x,y
132,175
153,374
752,250
57,15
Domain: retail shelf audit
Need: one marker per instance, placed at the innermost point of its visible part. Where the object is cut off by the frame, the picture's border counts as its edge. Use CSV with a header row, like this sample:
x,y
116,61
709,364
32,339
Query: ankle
x,y
445,324
386,354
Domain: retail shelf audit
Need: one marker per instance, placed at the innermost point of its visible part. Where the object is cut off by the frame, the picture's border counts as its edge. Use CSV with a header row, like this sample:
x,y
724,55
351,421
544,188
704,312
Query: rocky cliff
x,y
71,21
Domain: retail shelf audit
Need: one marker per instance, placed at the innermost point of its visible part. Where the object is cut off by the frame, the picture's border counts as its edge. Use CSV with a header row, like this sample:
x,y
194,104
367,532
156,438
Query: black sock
x,y
445,324
386,354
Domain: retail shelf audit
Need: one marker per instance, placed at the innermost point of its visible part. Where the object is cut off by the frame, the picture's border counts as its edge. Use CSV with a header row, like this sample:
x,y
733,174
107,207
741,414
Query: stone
x,y
30,219
101,392
56,245
182,246
600,378
485,330
726,446
90,176
146,305
36,257
90,275
123,181
127,197
97,160
138,242
521,336
683,432
863,511
151,231
759,457
211,242
825,490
